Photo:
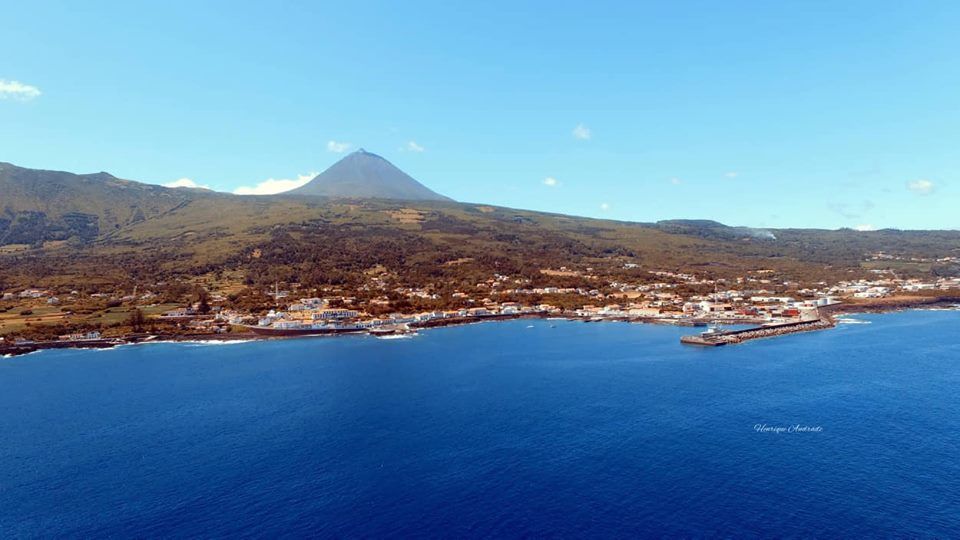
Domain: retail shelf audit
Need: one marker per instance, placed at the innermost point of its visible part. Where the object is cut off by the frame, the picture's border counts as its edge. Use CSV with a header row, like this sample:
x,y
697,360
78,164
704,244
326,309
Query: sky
x,y
769,114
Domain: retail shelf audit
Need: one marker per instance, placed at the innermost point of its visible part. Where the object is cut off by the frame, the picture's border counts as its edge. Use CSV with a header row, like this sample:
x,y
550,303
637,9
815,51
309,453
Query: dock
x,y
700,340
730,337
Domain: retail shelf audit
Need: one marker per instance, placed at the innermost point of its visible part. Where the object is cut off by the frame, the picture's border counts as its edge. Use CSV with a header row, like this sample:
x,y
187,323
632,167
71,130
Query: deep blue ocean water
x,y
543,428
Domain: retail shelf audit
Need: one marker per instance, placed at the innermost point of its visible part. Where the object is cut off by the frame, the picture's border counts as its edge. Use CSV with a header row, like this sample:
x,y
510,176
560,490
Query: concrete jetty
x,y
728,337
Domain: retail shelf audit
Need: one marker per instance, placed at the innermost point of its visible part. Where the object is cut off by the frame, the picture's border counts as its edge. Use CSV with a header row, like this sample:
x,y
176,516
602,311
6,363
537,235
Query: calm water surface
x,y
500,429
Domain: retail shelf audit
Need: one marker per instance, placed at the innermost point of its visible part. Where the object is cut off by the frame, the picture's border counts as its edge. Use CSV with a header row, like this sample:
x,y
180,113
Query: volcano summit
x,y
365,175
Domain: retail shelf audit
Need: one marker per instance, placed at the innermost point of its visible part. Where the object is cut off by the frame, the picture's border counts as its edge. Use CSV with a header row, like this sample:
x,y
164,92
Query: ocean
x,y
520,428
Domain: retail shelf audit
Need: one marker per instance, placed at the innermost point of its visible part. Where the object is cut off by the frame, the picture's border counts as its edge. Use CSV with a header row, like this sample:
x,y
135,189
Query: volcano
x,y
364,175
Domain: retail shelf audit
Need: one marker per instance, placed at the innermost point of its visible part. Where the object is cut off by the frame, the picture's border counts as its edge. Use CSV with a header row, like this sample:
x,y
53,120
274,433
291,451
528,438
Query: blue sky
x,y
774,114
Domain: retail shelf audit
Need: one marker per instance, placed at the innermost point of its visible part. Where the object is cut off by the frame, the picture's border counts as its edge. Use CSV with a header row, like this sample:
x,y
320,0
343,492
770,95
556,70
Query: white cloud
x,y
551,181
582,132
864,228
338,147
732,174
604,206
921,187
676,181
17,90
185,182
414,147
271,186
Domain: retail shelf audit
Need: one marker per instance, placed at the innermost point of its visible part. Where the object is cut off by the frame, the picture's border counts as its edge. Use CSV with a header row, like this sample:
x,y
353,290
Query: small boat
x,y
691,323
713,329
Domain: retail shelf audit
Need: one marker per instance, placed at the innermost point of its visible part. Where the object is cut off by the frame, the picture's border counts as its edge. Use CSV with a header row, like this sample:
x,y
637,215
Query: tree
x,y
203,301
136,319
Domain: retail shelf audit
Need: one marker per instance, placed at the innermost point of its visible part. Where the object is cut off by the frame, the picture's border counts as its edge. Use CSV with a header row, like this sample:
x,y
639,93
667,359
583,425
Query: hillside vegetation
x,y
96,230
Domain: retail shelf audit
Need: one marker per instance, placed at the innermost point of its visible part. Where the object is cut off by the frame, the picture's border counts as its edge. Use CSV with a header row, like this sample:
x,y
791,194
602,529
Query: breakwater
x,y
715,339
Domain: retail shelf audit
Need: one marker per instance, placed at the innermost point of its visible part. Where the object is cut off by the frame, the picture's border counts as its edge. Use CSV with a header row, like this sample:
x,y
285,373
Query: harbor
x,y
713,337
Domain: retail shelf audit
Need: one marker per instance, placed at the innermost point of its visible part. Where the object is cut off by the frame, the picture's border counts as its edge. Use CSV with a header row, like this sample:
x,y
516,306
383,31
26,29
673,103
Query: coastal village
x,y
396,257
757,300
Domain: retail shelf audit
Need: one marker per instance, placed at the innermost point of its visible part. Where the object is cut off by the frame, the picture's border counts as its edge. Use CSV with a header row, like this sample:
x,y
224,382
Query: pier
x,y
729,337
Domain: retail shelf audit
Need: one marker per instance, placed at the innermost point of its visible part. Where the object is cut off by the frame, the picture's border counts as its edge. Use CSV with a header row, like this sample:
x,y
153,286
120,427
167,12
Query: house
x,y
287,325
32,293
179,313
336,313
81,336
510,308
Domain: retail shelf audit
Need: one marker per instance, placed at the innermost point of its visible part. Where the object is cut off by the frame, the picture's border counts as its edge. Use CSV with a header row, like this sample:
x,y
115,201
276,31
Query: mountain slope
x,y
122,231
37,206
366,175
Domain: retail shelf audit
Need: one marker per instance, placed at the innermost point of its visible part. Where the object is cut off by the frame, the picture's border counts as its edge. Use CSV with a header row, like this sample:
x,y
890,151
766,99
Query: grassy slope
x,y
217,230
144,229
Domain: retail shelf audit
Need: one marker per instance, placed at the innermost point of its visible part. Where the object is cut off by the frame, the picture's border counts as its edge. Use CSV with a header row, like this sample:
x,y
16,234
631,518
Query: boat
x,y
713,329
711,337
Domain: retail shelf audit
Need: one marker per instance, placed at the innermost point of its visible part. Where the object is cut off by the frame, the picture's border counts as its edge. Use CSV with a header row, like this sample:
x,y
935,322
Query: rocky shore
x,y
16,349
892,303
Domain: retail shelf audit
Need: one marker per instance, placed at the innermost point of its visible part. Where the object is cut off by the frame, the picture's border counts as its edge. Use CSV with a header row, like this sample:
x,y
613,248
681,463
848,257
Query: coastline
x,y
829,313
892,304
828,317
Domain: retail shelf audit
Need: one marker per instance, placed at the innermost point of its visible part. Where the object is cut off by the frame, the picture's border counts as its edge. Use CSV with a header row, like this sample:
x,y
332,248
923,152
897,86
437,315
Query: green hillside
x,y
99,229
39,206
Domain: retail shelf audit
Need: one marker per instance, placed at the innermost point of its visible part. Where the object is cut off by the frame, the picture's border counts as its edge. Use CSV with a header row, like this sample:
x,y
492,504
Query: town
x,y
35,316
